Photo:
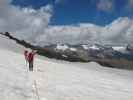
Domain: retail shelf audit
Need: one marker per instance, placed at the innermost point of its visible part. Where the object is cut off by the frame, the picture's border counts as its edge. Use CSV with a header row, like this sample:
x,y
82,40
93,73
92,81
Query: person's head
x,y
25,51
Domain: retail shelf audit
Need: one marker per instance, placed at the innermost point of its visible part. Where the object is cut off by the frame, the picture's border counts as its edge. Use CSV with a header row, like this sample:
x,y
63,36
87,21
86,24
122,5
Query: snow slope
x,y
11,45
14,77
76,81
60,80
15,80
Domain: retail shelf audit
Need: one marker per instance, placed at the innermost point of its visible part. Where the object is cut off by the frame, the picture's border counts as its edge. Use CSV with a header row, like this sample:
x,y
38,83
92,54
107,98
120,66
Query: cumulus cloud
x,y
27,22
105,5
118,32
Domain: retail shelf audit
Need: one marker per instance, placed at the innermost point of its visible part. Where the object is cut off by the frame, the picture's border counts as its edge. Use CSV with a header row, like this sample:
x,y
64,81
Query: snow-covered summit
x,y
85,47
94,47
120,48
62,47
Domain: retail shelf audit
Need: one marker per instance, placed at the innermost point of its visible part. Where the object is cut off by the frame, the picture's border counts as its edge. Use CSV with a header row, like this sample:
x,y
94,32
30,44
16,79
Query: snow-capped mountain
x,y
106,55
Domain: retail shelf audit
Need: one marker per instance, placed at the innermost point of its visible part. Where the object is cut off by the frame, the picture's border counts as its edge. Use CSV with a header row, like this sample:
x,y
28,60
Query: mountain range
x,y
106,55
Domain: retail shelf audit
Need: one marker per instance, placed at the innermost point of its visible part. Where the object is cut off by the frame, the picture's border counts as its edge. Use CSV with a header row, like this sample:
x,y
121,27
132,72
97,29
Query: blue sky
x,y
68,21
66,12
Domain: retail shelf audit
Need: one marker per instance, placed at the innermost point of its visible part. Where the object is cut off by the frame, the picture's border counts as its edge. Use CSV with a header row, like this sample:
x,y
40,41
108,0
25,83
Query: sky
x,y
69,21
100,12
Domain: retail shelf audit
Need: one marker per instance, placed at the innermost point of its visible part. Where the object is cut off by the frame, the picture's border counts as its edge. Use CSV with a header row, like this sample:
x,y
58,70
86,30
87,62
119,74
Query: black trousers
x,y
31,66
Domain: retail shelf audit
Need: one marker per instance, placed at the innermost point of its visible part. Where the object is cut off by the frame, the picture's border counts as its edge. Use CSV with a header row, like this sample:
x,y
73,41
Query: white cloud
x,y
70,34
118,32
25,21
105,5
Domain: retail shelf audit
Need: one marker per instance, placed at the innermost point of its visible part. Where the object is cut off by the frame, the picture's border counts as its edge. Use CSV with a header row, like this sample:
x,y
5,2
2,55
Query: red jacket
x,y
31,56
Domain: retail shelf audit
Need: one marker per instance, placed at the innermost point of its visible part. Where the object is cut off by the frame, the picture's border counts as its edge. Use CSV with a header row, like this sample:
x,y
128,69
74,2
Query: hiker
x,y
31,59
26,56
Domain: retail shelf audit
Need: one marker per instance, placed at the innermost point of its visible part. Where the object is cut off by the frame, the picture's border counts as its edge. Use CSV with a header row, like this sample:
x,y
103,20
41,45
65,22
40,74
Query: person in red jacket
x,y
26,56
31,59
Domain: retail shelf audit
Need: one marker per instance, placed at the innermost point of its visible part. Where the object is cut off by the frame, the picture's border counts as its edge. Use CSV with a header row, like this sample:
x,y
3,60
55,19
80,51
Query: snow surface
x,y
7,44
60,80
119,48
14,81
73,49
94,47
85,47
76,81
62,47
